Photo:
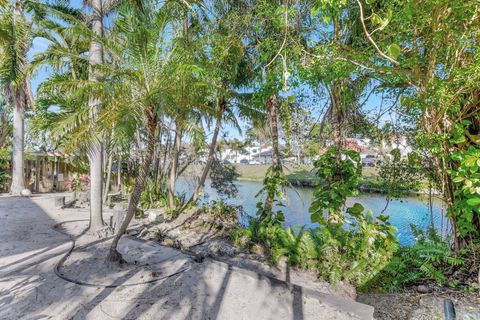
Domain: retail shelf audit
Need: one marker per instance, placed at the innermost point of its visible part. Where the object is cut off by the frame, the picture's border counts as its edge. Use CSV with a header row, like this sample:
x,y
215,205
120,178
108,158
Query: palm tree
x,y
5,124
16,36
95,155
188,93
78,82
228,69
137,80
15,41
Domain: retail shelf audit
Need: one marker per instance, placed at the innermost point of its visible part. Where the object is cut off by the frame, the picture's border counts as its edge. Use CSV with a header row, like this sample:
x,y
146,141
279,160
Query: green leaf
x,y
315,10
394,50
470,161
326,19
458,139
356,209
316,217
473,202
458,179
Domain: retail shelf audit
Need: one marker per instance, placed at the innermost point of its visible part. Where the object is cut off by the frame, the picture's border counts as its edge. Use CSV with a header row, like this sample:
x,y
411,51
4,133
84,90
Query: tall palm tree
x,y
68,47
15,41
137,80
16,38
188,94
228,69
95,155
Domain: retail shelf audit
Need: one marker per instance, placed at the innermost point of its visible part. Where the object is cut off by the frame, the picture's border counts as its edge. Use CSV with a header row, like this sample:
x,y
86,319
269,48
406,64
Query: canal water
x,y
403,212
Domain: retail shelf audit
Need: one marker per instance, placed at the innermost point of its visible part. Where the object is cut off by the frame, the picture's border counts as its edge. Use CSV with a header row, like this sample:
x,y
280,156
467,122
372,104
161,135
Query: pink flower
x,y
85,180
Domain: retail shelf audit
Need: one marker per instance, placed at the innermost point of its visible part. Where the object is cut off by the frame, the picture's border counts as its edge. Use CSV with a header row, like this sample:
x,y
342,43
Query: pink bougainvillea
x,y
78,183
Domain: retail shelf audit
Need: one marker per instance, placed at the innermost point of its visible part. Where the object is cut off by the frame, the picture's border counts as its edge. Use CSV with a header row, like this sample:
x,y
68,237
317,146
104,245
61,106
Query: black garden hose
x,y
60,263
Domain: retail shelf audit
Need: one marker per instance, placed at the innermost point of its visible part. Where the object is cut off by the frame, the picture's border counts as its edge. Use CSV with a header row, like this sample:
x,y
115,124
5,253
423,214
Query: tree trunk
x,y
164,167
210,157
272,106
19,104
18,182
96,154
109,175
174,168
158,155
96,187
119,173
114,255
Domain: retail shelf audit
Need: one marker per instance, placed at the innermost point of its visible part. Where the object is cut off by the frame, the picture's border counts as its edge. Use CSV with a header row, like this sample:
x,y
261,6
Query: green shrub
x,y
429,260
152,196
351,245
221,214
356,253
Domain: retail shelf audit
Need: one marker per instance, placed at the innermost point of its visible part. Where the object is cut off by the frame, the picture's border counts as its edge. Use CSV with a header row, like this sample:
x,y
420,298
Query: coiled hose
x,y
60,263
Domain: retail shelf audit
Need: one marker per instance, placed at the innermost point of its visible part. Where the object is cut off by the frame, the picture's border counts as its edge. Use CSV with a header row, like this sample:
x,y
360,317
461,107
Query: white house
x,y
254,154
397,142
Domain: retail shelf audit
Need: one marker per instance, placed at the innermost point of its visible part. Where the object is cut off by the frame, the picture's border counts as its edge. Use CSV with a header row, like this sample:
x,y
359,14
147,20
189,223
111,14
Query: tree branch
x,y
284,38
369,37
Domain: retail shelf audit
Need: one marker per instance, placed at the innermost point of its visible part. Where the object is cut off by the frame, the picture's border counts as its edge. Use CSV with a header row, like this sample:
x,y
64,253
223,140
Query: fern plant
x,y
429,260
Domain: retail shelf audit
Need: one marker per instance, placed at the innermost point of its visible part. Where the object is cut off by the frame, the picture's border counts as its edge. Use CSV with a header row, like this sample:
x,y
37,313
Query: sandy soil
x,y
158,282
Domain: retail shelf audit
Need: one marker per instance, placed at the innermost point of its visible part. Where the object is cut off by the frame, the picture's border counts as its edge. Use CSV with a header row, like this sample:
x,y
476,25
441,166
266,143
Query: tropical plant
x,y
353,245
145,85
429,260
153,196
15,41
221,215
466,180
78,182
339,171
357,251
399,176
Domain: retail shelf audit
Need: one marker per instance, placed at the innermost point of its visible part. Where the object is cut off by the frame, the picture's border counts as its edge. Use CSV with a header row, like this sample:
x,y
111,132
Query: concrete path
x,y
29,289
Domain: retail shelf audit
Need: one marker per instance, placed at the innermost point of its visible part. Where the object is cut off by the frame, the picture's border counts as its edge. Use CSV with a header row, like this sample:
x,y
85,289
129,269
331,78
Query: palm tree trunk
x,y
272,106
174,168
164,168
96,187
95,156
19,104
109,175
158,155
119,173
114,255
210,158
18,183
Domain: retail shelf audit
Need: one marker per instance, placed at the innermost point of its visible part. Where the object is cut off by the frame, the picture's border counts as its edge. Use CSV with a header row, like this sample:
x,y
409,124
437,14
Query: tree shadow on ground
x,y
208,290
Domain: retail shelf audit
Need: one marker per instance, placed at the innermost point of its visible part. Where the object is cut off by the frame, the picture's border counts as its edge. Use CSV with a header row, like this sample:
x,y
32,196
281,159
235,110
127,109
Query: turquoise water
x,y
409,210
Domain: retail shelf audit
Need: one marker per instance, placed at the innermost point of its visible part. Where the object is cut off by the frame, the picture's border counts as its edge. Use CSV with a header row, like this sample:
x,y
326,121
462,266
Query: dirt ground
x,y
413,306
158,282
